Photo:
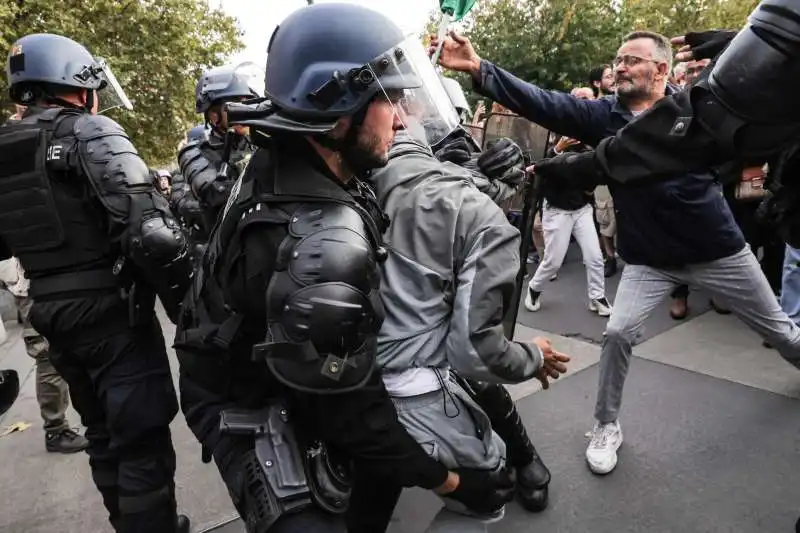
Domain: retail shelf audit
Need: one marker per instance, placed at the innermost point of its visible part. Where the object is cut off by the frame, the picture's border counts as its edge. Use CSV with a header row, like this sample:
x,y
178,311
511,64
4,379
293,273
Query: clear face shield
x,y
408,79
112,95
239,78
250,74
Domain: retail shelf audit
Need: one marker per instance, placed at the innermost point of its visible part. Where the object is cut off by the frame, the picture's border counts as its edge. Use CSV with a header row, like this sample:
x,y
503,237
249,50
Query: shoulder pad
x,y
89,127
192,160
309,218
190,152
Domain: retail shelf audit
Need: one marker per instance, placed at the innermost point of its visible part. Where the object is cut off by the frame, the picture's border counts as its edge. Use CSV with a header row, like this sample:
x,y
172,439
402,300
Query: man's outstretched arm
x,y
735,111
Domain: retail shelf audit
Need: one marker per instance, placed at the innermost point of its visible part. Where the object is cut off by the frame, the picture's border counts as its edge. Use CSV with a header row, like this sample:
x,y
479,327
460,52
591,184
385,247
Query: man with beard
x,y
677,230
278,341
601,80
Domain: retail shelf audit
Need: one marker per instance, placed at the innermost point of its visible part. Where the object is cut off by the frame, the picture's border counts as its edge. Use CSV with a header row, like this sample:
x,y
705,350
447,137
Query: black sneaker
x,y
67,441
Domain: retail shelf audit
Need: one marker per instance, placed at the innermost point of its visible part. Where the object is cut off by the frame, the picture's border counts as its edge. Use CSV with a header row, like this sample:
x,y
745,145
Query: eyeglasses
x,y
630,61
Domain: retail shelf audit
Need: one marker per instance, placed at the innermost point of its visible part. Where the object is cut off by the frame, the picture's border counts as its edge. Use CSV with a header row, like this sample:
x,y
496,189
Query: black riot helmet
x,y
328,61
42,63
225,83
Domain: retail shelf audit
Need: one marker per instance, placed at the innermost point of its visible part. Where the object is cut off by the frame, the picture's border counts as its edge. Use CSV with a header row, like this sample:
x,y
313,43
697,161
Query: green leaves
x,y
156,48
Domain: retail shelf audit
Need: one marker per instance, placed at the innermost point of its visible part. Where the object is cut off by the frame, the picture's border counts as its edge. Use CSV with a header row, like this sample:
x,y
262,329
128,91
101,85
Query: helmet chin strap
x,y
90,100
347,146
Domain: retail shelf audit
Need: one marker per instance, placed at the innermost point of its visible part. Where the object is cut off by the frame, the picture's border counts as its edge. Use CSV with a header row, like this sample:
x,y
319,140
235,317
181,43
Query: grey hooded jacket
x,y
450,274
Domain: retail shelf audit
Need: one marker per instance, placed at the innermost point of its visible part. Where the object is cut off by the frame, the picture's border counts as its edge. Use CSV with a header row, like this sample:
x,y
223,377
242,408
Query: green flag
x,y
457,9
452,11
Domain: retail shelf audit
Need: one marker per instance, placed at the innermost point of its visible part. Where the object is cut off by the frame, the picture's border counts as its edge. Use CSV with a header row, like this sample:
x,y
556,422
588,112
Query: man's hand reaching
x,y
457,54
554,362
702,45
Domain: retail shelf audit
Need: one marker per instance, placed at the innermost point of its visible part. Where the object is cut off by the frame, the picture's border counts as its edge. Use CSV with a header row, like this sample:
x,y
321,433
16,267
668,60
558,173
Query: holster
x,y
286,475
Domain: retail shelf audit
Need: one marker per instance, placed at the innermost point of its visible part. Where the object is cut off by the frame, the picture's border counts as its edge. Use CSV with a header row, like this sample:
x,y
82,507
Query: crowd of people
x,y
334,255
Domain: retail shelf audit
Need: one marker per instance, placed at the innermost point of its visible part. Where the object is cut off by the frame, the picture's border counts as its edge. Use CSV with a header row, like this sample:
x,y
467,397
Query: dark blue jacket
x,y
669,224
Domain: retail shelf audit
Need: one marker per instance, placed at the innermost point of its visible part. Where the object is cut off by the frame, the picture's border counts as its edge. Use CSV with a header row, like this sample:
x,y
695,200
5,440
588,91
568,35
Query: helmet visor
x,y
243,79
111,94
407,78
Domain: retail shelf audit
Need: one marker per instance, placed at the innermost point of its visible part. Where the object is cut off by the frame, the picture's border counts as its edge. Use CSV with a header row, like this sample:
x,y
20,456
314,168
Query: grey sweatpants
x,y
451,427
737,282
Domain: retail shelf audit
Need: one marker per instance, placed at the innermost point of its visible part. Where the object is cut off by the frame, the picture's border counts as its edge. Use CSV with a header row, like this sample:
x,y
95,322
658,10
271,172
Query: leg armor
x,y
533,477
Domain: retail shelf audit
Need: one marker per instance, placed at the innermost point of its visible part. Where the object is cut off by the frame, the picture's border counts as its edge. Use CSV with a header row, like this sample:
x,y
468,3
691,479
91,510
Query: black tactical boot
x,y
66,441
532,484
532,476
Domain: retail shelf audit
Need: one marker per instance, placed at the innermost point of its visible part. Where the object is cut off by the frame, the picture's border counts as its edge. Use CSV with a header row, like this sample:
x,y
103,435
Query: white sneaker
x,y
533,302
601,306
602,451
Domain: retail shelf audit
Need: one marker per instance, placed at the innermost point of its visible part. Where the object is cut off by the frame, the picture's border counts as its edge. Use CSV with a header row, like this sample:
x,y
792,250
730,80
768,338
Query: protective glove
x,y
707,44
483,492
513,177
456,150
499,157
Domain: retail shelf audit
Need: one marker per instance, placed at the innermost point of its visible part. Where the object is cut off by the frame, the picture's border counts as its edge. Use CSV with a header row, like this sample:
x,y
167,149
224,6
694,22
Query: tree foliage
x,y
554,43
156,48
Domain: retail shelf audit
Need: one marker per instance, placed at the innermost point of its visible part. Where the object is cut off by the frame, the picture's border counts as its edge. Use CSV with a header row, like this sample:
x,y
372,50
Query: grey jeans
x,y
737,282
451,427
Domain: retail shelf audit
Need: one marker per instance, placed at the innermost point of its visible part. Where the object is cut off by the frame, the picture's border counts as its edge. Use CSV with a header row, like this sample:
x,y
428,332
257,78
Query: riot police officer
x,y
497,172
212,160
278,339
185,205
98,243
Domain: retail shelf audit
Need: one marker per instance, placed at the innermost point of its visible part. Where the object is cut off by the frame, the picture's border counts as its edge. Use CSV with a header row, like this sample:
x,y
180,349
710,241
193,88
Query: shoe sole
x,y
67,452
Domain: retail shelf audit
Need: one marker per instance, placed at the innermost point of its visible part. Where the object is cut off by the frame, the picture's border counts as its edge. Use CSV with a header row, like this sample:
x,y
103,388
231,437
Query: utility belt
x,y
285,472
49,287
140,298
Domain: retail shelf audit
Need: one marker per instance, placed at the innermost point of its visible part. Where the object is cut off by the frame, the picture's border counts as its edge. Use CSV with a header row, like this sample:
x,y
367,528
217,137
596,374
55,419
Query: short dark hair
x,y
596,75
663,46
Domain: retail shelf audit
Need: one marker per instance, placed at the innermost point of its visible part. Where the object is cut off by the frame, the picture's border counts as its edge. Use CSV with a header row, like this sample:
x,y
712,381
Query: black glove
x,y
513,177
765,212
499,157
570,171
457,151
707,44
482,491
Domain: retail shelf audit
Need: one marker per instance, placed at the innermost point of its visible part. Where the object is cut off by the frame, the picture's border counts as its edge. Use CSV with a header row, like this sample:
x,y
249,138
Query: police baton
x,y
532,186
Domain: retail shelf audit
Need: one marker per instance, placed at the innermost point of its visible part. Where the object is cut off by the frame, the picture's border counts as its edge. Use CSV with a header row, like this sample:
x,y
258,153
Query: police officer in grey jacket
x,y
447,282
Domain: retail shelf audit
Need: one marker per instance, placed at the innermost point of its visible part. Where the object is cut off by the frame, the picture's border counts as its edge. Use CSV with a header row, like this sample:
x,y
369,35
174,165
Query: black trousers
x,y
120,383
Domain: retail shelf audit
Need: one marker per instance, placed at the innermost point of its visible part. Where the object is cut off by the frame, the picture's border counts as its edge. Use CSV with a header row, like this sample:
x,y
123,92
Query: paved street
x,y
711,422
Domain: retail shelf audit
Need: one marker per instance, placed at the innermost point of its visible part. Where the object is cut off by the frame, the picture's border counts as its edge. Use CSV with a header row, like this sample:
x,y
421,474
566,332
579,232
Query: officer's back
x,y
80,211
